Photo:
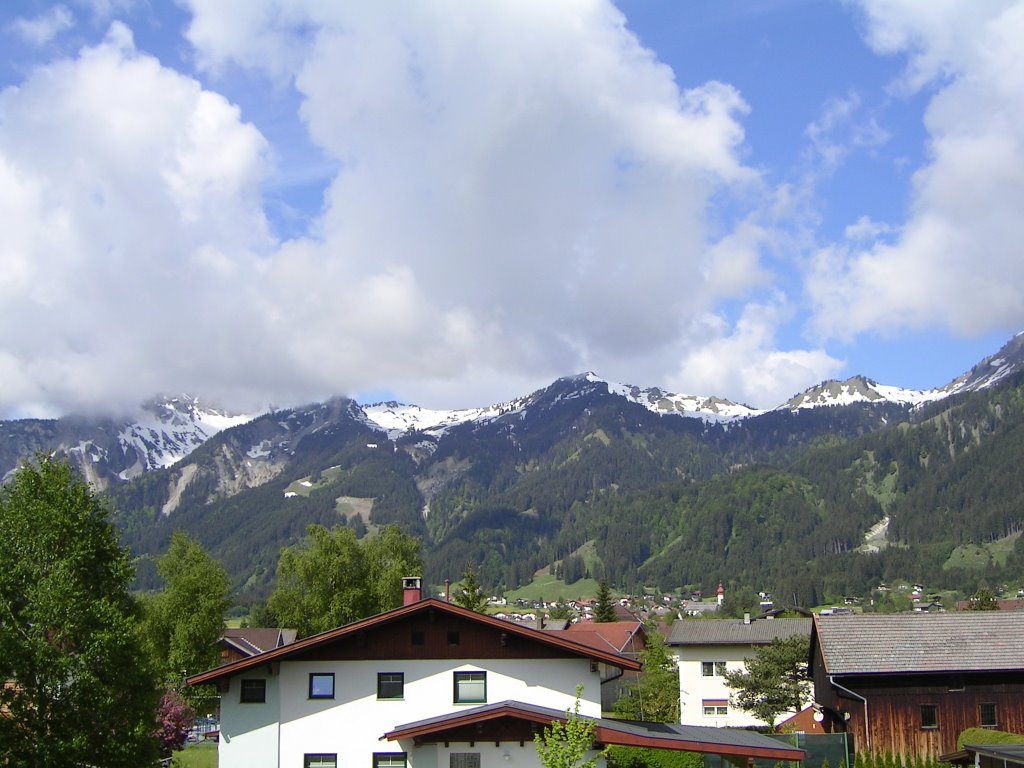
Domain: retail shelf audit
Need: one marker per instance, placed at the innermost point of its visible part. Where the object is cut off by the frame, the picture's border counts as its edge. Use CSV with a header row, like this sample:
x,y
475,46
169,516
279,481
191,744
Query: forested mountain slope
x,y
584,479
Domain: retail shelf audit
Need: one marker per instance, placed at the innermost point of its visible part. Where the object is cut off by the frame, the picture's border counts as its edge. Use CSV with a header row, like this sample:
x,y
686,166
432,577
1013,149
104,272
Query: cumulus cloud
x,y
955,262
744,358
41,29
120,182
522,191
523,187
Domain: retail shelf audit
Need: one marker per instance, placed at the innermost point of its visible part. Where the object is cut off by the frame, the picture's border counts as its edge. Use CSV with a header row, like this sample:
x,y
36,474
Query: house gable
x,y
428,629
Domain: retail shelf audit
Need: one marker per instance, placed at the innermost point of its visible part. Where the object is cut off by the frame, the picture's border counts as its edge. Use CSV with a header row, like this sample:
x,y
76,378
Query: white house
x,y
427,685
705,649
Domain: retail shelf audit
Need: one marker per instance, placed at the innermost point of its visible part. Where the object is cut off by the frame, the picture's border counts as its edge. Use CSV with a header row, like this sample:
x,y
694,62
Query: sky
x,y
453,203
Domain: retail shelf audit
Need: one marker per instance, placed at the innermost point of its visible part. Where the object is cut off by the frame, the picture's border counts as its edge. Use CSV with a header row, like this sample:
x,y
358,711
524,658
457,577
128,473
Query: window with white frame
x,y
320,760
470,687
715,707
390,685
389,760
712,669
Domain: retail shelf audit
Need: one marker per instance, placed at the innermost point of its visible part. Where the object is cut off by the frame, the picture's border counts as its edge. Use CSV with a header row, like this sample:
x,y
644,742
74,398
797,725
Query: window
x,y
470,687
989,715
453,638
389,760
320,761
712,668
417,637
715,707
321,685
929,716
464,760
390,685
253,692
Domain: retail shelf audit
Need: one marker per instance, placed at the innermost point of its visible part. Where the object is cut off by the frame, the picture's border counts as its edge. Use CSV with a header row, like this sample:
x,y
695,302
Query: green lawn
x,y
196,756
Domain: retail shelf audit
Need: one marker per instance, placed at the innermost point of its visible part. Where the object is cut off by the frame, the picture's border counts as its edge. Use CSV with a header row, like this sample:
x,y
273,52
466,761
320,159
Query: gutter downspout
x,y
867,723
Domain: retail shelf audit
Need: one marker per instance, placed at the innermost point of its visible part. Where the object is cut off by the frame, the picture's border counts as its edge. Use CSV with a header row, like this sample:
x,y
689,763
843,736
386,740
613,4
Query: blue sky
x,y
454,203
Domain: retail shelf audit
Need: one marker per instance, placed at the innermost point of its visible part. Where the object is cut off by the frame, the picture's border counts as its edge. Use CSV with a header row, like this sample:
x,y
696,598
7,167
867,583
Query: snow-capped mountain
x,y
167,429
108,450
858,389
398,418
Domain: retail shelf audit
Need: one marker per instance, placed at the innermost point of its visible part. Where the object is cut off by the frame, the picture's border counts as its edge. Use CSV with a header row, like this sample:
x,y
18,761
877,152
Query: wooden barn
x,y
909,683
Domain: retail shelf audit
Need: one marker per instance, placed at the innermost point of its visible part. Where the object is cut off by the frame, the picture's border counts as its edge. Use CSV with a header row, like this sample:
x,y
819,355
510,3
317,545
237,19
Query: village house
x,y
704,650
431,684
909,683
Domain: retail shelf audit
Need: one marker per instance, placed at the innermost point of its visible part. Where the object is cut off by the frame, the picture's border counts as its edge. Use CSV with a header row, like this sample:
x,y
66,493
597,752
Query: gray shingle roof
x,y
735,632
971,641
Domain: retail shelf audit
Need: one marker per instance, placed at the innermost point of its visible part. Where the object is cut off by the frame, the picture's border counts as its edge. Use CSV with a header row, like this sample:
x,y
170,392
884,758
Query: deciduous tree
x,y
565,745
655,697
328,579
183,623
775,679
75,686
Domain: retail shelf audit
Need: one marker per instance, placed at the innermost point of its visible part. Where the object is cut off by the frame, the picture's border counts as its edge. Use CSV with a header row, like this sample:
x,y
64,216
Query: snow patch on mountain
x,y
167,430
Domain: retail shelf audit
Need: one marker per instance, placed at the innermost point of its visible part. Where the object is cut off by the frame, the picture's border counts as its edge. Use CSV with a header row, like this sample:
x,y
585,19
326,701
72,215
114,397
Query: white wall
x,y
249,732
352,723
694,688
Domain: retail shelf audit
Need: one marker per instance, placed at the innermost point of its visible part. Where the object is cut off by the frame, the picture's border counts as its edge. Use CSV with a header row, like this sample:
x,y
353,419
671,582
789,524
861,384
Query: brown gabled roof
x,y
735,631
974,641
253,640
689,738
299,647
619,636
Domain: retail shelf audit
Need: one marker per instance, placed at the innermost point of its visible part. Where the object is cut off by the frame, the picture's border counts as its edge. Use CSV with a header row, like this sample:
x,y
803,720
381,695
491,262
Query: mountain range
x,y
583,477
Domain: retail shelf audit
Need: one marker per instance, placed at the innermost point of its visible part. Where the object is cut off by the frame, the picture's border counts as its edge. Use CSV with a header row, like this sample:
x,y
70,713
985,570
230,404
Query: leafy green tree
x,y
565,745
604,611
471,595
655,697
559,611
327,580
983,600
775,679
391,555
182,623
78,689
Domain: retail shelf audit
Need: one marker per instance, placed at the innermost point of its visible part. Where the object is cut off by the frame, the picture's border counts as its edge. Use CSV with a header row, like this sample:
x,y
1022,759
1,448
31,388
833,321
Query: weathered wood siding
x,y
894,705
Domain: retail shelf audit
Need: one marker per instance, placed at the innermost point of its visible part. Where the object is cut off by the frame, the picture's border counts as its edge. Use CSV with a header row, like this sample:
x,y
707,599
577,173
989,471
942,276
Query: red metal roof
x,y
686,738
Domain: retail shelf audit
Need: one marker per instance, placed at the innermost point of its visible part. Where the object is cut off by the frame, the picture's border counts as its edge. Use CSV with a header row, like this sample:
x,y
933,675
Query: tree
x,y
655,697
566,744
174,718
328,580
983,600
77,688
604,611
560,611
775,679
471,595
183,623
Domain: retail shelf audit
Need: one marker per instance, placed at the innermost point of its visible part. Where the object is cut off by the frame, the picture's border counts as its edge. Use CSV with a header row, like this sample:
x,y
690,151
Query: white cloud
x,y
523,189
955,262
41,29
119,180
745,359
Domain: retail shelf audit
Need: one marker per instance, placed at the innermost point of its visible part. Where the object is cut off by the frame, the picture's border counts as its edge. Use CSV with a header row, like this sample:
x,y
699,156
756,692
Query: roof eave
x,y
276,654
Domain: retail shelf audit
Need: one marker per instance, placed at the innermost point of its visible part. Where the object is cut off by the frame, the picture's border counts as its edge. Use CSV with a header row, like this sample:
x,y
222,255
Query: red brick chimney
x,y
412,590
